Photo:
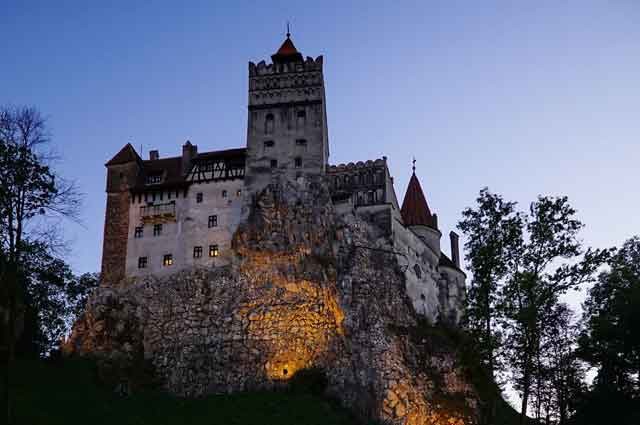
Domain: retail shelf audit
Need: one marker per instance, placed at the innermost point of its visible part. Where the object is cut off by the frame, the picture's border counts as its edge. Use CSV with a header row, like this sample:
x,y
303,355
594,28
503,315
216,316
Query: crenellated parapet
x,y
263,69
364,182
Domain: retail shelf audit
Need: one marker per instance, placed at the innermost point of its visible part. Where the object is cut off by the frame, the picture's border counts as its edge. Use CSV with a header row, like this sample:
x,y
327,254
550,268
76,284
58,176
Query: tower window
x,y
224,193
214,251
142,262
138,232
301,118
268,124
157,229
301,142
269,144
154,179
274,163
167,260
197,251
298,162
418,271
199,197
239,192
213,221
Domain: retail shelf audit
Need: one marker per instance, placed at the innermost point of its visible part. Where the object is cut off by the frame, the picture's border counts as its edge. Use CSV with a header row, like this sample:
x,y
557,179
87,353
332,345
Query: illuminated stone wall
x,y
303,290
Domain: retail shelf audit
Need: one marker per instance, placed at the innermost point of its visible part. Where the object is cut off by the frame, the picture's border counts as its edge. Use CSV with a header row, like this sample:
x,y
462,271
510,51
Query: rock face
x,y
301,293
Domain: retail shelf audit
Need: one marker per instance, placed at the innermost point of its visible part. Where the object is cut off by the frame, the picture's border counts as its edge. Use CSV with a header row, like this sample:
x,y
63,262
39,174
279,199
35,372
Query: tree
x,y
54,297
610,340
493,230
30,196
550,262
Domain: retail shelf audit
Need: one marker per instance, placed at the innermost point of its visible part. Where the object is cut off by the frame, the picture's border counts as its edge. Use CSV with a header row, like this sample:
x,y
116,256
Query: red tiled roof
x,y
415,210
126,154
287,52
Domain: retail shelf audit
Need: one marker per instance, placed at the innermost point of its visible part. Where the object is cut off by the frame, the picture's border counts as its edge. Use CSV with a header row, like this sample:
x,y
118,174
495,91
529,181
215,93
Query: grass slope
x,y
64,392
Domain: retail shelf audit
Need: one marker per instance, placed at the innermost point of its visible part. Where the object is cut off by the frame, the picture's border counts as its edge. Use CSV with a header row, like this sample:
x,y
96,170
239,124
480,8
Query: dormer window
x,y
154,179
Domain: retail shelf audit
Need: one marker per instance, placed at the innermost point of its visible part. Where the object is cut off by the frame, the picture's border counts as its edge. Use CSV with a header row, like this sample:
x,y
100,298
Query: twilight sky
x,y
528,98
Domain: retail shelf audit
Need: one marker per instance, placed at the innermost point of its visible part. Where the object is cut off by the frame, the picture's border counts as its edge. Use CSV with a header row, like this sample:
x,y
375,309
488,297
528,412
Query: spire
x,y
415,210
287,51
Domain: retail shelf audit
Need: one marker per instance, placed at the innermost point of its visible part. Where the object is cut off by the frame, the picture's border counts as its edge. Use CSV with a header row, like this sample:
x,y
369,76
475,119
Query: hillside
x,y
66,392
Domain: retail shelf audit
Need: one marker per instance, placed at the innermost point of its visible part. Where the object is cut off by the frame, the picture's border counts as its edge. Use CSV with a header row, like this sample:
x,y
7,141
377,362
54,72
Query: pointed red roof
x,y
126,154
287,52
415,211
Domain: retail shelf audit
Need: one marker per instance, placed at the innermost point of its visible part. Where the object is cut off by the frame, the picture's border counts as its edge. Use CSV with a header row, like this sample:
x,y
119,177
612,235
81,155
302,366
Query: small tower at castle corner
x,y
287,122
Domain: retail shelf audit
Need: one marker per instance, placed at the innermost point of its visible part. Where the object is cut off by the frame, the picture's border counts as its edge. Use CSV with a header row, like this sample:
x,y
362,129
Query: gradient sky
x,y
528,98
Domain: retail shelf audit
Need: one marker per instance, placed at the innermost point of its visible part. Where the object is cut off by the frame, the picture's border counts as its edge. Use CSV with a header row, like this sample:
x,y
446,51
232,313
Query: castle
x,y
168,214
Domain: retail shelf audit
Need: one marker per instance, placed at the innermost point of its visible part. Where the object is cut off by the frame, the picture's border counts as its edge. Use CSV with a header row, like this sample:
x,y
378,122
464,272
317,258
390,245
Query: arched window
x,y
268,124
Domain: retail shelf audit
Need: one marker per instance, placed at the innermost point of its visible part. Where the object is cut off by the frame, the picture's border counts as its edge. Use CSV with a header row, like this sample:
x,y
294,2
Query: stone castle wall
x,y
308,288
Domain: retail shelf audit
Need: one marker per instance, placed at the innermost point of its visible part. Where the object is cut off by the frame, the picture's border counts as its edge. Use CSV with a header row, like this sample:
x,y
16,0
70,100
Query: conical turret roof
x,y
415,210
287,52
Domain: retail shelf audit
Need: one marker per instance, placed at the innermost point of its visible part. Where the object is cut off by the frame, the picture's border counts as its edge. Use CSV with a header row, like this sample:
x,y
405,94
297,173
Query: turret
x,y
122,174
418,217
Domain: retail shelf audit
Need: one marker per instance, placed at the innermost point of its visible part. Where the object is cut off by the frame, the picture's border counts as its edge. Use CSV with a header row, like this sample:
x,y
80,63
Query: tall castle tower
x,y
287,122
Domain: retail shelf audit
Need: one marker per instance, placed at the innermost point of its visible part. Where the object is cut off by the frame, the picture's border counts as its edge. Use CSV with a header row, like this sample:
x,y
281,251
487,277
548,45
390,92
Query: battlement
x,y
308,65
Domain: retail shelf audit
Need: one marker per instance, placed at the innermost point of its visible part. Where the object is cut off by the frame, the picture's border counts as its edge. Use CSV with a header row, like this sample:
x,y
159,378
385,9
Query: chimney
x,y
153,155
189,152
455,251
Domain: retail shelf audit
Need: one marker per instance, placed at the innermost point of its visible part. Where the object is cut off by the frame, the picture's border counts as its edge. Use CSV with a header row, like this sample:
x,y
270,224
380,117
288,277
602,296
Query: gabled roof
x,y
415,210
287,52
126,154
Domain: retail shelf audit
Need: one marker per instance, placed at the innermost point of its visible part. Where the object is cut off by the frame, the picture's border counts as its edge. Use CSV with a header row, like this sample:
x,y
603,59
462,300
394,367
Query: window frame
x,y
138,232
214,251
157,229
197,251
212,221
167,260
143,262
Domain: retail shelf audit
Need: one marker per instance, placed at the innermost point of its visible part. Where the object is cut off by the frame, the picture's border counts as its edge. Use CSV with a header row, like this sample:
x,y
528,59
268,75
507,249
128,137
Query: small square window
x,y
298,162
214,251
274,163
224,194
157,229
197,251
138,232
199,197
213,221
167,260
142,262
269,144
301,142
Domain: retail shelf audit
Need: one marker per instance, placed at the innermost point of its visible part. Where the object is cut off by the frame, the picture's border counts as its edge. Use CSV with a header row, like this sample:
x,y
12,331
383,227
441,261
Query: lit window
x,y
274,163
199,197
157,229
298,162
214,251
167,260
138,232
197,251
155,179
213,221
224,194
239,192
142,262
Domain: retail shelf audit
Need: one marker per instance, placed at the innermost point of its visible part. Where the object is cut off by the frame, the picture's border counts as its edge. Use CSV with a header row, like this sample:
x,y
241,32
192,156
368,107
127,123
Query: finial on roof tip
x,y
288,32
414,165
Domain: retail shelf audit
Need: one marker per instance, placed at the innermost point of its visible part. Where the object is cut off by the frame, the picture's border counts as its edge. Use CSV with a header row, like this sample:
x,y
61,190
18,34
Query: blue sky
x,y
528,98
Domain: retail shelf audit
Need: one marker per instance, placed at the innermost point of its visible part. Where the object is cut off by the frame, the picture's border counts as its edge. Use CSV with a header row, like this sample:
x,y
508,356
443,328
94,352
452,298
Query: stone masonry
x,y
307,288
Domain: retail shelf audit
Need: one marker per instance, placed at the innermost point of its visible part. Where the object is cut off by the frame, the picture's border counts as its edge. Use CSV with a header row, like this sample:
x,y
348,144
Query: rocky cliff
x,y
306,289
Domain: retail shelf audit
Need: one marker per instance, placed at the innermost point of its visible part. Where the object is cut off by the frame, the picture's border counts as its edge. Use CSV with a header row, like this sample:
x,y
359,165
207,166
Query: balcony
x,y
158,213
